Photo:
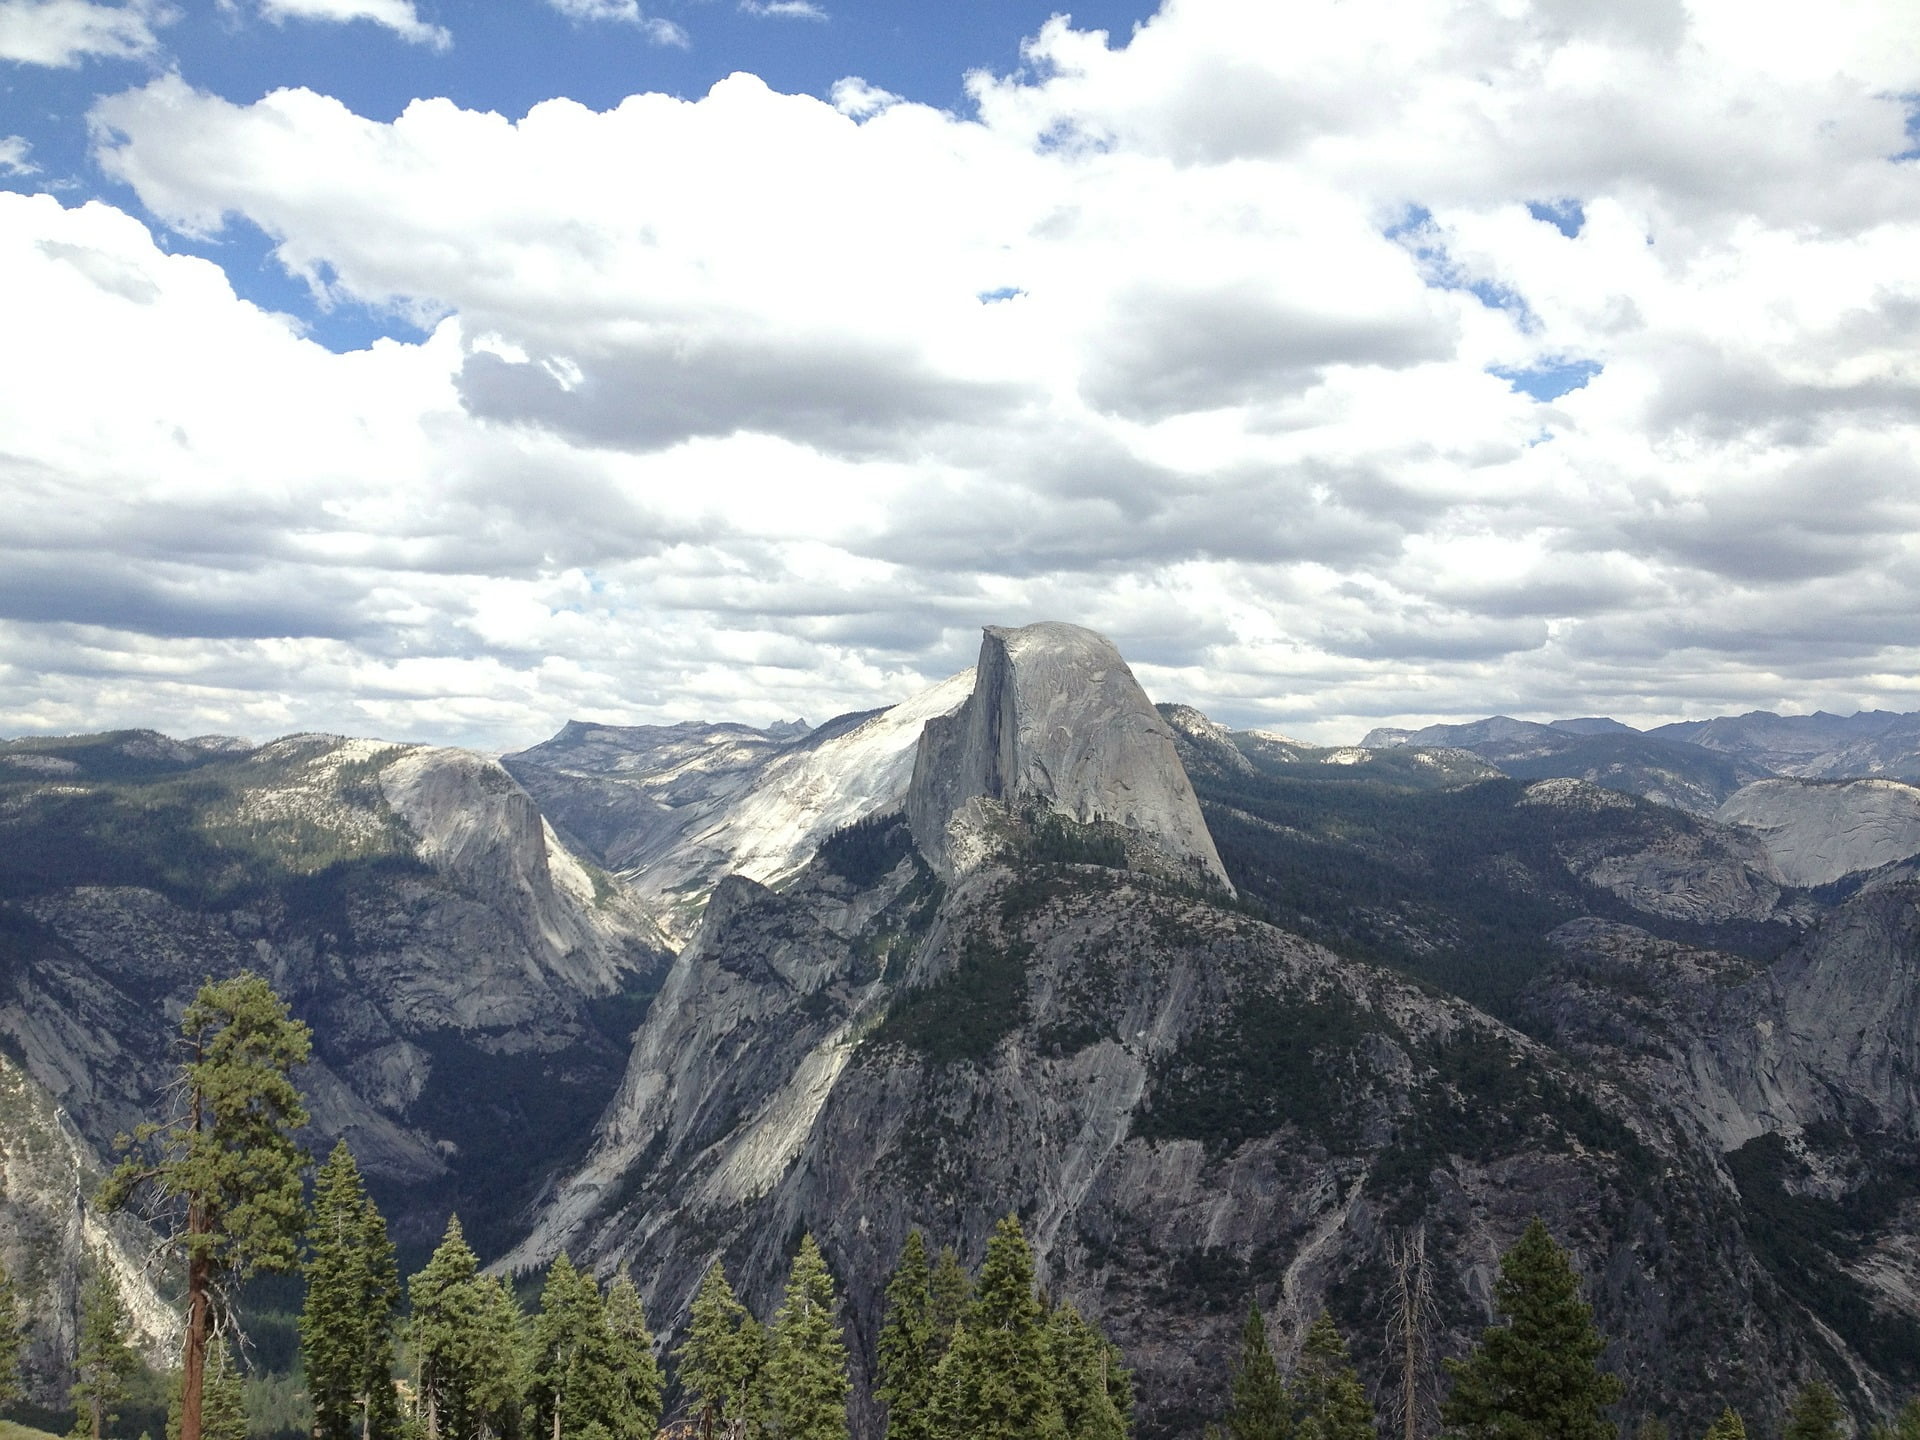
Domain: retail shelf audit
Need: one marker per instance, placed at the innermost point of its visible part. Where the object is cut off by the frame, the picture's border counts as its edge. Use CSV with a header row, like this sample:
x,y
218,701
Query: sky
x,y
446,369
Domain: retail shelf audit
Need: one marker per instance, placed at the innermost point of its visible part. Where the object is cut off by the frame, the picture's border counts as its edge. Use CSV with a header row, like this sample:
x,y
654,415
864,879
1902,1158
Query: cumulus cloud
x,y
1236,340
62,33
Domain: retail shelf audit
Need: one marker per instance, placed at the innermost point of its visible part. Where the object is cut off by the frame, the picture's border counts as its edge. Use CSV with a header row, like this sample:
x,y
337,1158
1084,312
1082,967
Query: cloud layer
x,y
1226,341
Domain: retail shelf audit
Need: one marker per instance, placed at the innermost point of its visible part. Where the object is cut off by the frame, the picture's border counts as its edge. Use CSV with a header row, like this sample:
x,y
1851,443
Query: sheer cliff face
x,y
1816,833
1055,720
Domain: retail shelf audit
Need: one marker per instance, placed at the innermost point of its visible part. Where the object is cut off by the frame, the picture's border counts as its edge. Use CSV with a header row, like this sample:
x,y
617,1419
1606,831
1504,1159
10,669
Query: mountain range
x,y
1219,1014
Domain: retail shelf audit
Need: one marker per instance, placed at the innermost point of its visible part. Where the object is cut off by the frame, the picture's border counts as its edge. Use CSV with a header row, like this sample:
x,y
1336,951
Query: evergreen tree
x,y
226,1167
1092,1387
1261,1408
1536,1377
573,1379
994,1382
223,1410
1333,1403
105,1360
466,1344
949,1292
13,1339
1815,1414
347,1322
1730,1426
1905,1426
807,1384
634,1366
907,1349
722,1358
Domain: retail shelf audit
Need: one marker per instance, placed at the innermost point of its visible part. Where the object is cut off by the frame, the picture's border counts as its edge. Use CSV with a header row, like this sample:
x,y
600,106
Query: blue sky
x,y
444,371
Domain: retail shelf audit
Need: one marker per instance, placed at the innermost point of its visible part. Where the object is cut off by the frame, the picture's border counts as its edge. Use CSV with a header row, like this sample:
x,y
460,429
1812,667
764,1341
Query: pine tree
x,y
1730,1427
573,1379
1905,1426
949,1293
1333,1403
226,1167
1815,1414
807,1384
994,1381
1536,1377
223,1411
347,1322
722,1357
105,1360
1092,1387
466,1343
13,1339
1261,1408
631,1353
907,1349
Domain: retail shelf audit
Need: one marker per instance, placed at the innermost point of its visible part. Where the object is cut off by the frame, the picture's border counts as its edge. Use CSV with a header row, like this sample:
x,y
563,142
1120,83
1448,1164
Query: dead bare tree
x,y
1410,1322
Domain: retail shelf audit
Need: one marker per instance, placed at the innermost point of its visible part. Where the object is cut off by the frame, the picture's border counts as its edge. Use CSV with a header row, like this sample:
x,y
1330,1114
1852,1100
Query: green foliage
x,y
105,1361
353,1294
1333,1404
1261,1407
995,1381
964,1014
1090,1383
223,1412
1905,1426
467,1344
12,1339
1815,1414
636,1371
868,850
723,1357
226,1172
1271,1061
1052,839
949,1293
910,1346
574,1382
807,1384
1536,1377
1728,1427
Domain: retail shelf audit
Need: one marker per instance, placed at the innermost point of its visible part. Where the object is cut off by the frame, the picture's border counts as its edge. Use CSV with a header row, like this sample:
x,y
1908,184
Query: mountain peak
x,y
1055,718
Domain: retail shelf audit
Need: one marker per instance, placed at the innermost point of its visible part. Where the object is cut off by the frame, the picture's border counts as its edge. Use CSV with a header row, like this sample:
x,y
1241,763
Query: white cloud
x,y
754,404
14,150
628,12
784,9
62,33
399,16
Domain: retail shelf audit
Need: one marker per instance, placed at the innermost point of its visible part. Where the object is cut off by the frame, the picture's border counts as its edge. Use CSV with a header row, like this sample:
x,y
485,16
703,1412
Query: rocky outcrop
x,y
1817,833
50,1230
470,983
674,809
1055,720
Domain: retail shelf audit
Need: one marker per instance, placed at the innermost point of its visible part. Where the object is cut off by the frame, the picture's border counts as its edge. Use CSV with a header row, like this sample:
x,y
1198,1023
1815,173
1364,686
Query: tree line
x,y
958,1356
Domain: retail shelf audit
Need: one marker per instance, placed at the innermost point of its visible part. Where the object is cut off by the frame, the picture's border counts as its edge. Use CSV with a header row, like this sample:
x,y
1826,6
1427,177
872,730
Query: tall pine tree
x,y
1815,1414
467,1345
950,1292
807,1384
105,1361
353,1296
907,1350
1730,1426
1091,1386
1261,1407
574,1384
225,1167
722,1358
1333,1403
995,1381
1537,1376
631,1353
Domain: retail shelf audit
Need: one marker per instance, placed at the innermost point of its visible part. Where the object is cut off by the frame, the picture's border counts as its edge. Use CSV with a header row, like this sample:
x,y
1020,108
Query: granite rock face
x,y
1056,720
1815,833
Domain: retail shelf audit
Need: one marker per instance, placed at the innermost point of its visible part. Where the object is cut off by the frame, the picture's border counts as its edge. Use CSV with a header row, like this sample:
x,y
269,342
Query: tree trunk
x,y
193,1364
